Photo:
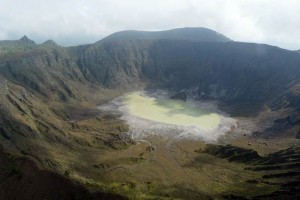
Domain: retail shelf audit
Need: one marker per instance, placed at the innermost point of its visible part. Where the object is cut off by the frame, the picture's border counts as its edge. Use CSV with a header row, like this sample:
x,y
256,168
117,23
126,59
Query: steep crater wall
x,y
235,73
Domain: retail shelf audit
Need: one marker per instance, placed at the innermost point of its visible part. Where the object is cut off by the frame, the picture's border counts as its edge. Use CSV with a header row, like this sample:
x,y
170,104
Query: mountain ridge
x,y
48,96
192,34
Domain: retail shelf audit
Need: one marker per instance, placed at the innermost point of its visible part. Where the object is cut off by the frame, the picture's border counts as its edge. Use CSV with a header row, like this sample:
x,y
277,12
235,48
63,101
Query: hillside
x,y
190,34
48,115
8,46
232,72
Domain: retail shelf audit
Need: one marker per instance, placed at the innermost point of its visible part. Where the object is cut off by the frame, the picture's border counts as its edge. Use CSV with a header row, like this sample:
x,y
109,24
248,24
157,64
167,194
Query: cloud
x,y
82,21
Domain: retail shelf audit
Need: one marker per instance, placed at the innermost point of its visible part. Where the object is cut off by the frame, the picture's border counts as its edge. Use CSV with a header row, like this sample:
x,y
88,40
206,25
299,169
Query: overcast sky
x,y
70,22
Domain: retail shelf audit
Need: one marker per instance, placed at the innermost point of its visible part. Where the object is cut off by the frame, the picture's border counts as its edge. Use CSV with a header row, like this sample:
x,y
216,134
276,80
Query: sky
x,y
72,22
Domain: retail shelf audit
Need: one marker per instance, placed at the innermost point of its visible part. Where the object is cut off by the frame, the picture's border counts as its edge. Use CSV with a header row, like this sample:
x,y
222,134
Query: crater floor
x,y
156,114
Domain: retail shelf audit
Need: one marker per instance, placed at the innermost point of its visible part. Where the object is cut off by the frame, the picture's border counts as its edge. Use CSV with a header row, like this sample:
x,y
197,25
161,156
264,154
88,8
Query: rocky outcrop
x,y
23,44
289,98
280,168
26,41
232,153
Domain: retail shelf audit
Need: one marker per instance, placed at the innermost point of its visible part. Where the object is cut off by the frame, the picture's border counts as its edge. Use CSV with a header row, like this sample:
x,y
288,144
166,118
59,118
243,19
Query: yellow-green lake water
x,y
170,111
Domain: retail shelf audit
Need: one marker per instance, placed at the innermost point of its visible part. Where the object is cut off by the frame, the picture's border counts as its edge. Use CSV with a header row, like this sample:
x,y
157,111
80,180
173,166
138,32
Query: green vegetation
x,y
49,95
